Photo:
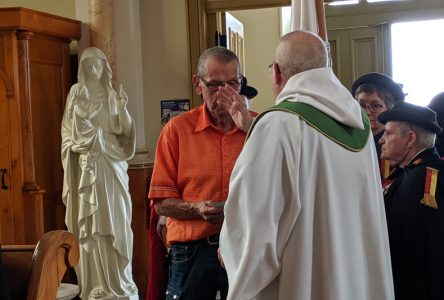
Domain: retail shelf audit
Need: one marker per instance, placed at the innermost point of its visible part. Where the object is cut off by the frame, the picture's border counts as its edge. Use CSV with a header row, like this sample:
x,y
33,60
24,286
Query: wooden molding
x,y
216,6
36,21
197,38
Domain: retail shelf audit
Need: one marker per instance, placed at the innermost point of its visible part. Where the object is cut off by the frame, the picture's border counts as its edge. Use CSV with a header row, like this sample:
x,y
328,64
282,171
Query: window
x,y
348,2
417,59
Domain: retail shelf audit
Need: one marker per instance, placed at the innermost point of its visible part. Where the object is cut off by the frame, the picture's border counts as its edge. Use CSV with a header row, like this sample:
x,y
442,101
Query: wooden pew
x,y
35,273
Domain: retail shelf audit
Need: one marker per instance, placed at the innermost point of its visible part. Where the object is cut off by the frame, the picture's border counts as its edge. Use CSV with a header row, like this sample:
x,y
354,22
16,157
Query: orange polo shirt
x,y
194,160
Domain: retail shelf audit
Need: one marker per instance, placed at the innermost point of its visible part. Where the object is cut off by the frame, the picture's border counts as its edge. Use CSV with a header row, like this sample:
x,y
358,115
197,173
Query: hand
x,y
122,99
82,92
212,214
234,104
220,258
162,230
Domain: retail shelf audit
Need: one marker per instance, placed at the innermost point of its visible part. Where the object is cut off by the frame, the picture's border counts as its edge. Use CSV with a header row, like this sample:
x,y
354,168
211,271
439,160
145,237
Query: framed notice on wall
x,y
171,108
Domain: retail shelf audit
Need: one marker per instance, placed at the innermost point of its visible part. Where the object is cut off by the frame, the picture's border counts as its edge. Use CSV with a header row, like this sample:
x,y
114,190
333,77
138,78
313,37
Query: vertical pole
x,y
320,16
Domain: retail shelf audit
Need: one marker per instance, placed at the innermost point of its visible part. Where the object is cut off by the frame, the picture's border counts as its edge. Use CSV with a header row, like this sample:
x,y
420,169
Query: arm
x,y
164,190
180,209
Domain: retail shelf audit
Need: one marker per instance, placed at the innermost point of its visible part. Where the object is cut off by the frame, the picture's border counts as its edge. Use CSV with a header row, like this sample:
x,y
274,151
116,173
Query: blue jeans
x,y
195,272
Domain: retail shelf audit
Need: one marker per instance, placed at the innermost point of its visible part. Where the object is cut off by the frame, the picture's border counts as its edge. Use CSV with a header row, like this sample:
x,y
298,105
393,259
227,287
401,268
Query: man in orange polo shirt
x,y
195,155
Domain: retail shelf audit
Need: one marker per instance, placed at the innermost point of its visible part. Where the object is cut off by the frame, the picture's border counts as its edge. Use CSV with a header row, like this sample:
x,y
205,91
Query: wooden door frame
x,y
202,22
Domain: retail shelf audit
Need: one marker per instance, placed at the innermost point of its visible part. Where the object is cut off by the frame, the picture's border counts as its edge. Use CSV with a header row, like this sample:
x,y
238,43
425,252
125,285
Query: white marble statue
x,y
98,136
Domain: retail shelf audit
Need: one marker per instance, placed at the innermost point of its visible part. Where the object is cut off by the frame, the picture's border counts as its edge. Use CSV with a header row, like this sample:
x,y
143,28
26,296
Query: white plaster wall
x,y
261,38
165,59
64,8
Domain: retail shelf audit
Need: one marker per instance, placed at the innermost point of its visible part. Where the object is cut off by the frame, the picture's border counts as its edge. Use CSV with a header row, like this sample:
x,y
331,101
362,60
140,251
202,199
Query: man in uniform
x,y
414,201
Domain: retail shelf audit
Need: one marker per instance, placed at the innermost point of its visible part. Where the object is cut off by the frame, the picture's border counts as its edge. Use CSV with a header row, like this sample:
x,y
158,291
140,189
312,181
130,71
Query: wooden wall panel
x,y
35,71
357,51
138,187
6,216
47,107
334,56
12,227
364,59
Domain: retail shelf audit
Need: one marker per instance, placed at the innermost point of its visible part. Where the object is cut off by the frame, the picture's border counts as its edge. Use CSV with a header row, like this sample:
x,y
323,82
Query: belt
x,y
212,239
209,240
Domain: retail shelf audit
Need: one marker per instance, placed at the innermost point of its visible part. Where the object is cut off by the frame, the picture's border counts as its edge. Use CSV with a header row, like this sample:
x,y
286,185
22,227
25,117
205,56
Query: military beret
x,y
247,90
421,116
379,79
437,105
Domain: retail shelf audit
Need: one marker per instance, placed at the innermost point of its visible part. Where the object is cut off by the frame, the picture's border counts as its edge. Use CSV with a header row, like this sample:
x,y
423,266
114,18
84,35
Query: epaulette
x,y
430,188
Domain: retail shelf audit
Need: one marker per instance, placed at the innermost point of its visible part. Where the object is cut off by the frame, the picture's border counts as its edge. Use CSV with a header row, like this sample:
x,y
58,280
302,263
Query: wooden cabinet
x,y
34,81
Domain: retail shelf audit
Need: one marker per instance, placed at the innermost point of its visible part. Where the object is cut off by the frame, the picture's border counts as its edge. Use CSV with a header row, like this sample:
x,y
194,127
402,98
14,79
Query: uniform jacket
x,y
416,228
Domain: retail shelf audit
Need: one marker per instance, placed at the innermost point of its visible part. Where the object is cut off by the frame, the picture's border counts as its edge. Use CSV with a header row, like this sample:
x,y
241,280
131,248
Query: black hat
x,y
246,90
421,116
437,105
379,79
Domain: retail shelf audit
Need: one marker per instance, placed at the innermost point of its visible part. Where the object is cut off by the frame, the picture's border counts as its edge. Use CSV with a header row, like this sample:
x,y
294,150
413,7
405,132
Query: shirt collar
x,y
423,156
204,121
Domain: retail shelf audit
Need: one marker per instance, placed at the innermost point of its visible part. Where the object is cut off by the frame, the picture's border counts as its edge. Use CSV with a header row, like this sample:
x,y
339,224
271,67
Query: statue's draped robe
x,y
98,204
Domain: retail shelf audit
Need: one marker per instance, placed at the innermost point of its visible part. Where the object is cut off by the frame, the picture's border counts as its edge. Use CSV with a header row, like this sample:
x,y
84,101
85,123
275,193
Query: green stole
x,y
350,138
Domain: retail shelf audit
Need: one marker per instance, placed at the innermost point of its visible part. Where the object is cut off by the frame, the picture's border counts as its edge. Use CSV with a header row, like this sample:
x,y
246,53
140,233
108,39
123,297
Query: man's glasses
x,y
214,86
373,107
270,66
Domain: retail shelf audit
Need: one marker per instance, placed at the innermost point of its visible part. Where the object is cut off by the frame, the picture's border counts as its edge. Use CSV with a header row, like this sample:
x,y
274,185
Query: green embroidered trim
x,y
350,138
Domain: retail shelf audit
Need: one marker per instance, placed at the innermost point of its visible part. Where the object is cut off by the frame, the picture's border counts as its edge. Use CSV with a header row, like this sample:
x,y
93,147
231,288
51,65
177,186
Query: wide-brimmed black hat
x,y
379,79
421,116
247,90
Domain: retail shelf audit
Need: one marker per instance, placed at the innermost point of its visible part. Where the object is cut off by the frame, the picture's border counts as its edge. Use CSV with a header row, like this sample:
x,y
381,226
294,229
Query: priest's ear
x,y
278,77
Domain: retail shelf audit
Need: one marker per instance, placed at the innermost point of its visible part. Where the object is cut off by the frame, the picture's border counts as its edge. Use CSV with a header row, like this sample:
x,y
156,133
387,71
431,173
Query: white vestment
x,y
305,216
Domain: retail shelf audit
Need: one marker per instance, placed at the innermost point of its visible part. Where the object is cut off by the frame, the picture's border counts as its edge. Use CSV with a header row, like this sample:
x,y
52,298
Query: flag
x,y
303,15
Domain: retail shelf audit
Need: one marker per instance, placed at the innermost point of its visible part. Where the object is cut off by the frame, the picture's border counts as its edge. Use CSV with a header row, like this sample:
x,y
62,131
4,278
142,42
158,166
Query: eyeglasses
x,y
270,66
373,107
214,86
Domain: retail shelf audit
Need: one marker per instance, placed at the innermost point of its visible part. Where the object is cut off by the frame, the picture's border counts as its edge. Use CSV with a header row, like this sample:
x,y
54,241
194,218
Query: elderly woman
x,y
377,93
98,136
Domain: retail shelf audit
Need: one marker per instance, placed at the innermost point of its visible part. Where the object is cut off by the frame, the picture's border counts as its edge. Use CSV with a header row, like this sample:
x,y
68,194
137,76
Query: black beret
x,y
379,79
421,116
246,90
437,104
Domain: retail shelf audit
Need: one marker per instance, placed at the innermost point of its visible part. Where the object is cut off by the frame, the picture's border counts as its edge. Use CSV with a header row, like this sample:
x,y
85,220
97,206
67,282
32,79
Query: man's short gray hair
x,y
424,138
221,54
